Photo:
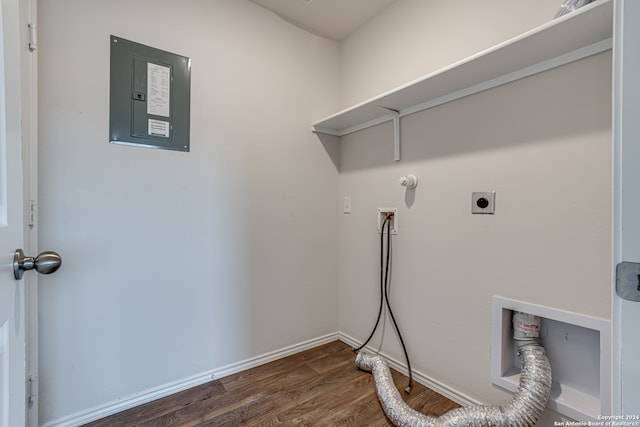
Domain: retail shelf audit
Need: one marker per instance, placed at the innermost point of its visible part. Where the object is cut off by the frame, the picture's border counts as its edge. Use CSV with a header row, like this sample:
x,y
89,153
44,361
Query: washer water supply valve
x,y
409,182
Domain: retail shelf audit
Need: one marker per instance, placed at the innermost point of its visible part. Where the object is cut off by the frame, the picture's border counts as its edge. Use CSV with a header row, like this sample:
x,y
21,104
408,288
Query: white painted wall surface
x,y
178,263
544,145
413,38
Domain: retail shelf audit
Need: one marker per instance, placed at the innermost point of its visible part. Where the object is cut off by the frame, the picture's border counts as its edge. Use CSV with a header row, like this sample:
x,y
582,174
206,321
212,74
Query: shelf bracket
x,y
396,132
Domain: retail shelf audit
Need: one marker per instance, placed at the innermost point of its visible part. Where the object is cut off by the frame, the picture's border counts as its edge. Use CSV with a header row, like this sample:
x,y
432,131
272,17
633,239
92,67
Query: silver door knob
x,y
45,263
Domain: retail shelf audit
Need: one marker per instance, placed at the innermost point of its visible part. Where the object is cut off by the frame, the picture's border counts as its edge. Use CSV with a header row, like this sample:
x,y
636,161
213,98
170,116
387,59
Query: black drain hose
x,y
384,296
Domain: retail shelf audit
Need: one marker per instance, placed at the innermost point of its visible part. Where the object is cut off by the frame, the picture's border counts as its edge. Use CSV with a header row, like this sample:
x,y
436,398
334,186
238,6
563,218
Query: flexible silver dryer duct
x,y
528,402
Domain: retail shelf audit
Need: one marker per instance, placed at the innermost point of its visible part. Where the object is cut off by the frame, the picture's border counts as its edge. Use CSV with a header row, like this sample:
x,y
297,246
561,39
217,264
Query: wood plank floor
x,y
317,387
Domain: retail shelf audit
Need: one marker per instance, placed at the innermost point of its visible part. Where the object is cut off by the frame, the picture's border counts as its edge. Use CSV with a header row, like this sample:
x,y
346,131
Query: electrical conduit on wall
x,y
527,405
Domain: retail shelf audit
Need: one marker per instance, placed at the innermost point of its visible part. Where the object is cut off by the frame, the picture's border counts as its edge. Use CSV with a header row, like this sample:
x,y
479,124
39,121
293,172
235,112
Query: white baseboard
x,y
274,355
131,401
137,399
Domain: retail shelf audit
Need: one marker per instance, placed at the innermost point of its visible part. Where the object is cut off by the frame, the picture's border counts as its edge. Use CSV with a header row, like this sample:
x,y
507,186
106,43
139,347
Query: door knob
x,y
45,263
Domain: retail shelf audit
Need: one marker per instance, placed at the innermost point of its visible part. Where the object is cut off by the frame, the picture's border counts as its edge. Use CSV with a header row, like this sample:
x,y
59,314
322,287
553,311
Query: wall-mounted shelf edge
x,y
354,128
580,34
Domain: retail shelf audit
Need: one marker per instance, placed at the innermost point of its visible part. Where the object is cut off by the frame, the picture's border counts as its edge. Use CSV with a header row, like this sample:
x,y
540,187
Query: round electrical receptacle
x,y
482,203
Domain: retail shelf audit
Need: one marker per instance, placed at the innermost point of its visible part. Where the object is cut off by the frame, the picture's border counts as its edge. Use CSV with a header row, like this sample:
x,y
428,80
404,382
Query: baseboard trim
x,y
274,355
452,394
131,401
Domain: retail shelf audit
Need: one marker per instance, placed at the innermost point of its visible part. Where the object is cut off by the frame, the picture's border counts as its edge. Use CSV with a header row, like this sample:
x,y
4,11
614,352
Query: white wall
x,y
542,143
178,263
412,38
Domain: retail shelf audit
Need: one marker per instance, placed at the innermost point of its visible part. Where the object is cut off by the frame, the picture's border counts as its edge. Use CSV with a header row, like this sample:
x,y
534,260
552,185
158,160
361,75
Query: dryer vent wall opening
x,y
527,405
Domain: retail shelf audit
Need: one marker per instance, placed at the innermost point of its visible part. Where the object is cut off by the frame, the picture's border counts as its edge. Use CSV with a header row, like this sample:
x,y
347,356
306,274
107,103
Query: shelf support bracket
x,y
396,132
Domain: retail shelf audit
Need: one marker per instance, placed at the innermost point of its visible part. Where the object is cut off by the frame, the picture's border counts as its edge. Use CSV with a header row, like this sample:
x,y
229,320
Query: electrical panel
x,y
149,96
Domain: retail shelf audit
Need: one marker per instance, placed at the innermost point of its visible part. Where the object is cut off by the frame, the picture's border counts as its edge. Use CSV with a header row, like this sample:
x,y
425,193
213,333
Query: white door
x,y
626,314
12,295
17,136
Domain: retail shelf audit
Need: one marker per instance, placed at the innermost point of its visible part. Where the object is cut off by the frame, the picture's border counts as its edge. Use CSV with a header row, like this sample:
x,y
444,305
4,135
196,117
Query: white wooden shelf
x,y
585,32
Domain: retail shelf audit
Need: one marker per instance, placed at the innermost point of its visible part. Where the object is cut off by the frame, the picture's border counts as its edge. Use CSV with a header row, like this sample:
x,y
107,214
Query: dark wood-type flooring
x,y
317,387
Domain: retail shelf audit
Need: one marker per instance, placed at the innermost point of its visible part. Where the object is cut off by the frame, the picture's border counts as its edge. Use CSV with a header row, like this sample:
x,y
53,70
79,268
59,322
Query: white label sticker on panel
x,y
159,128
158,89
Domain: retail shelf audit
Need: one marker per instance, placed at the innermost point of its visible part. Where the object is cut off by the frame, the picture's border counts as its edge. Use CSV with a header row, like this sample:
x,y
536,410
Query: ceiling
x,y
333,19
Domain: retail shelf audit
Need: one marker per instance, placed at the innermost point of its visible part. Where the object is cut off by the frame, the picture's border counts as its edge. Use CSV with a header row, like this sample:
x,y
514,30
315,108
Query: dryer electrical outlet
x,y
383,213
483,202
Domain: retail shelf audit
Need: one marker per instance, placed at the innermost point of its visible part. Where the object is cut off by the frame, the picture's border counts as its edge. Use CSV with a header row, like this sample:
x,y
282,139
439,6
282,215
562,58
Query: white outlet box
x,y
382,214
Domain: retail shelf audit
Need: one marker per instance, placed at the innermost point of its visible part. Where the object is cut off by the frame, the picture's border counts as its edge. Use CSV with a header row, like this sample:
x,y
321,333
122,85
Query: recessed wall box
x,y
149,96
579,350
393,221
